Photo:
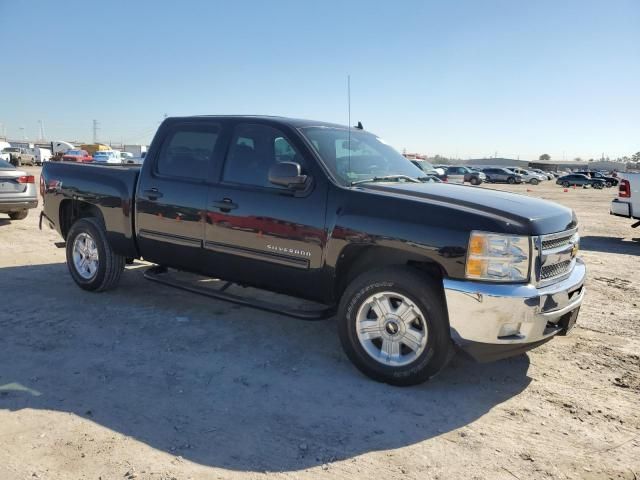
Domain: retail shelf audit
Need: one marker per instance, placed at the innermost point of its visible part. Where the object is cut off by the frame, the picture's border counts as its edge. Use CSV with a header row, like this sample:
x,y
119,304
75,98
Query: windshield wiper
x,y
386,178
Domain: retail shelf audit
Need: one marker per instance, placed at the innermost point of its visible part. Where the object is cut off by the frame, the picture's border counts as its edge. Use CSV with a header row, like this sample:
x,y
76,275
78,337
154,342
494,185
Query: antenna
x,y
349,122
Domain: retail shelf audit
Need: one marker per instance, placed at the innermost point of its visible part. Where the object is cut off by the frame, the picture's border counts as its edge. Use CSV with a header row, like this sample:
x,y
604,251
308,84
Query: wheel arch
x,y
73,210
357,259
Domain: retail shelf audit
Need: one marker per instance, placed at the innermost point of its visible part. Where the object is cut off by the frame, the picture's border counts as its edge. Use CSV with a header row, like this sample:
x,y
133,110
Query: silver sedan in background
x,y
17,191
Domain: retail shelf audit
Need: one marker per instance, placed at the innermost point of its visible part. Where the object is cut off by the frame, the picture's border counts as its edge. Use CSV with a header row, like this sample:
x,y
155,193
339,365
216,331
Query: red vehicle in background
x,y
78,156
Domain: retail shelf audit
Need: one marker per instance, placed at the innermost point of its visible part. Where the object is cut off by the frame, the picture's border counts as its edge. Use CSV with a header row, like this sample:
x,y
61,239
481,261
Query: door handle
x,y
225,205
152,193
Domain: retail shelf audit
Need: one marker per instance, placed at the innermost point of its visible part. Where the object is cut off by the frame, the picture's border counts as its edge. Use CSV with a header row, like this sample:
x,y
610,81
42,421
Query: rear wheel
x,y
608,184
534,181
393,326
598,186
21,215
91,261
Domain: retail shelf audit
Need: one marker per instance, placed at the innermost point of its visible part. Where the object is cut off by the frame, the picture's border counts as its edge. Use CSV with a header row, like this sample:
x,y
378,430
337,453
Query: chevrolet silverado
x,y
332,214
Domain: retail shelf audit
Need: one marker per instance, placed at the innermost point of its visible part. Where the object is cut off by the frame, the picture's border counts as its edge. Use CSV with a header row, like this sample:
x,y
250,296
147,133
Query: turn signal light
x,y
27,179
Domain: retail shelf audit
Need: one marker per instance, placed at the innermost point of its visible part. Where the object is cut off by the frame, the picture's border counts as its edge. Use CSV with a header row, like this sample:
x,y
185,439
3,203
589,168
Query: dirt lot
x,y
149,382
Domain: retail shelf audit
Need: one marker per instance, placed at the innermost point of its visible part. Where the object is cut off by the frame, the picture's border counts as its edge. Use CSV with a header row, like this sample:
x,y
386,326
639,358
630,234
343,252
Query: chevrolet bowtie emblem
x,y
574,250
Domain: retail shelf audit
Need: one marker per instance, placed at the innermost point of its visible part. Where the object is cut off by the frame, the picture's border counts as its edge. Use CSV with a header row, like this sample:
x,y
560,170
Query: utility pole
x,y
41,123
95,131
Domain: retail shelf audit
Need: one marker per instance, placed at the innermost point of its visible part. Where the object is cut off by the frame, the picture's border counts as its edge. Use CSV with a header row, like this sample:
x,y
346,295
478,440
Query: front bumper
x,y
492,321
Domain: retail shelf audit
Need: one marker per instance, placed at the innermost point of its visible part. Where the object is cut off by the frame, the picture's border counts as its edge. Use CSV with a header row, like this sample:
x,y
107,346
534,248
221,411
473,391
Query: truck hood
x,y
517,213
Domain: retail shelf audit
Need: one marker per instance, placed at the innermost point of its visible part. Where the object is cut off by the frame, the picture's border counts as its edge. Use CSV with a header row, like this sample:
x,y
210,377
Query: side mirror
x,y
287,174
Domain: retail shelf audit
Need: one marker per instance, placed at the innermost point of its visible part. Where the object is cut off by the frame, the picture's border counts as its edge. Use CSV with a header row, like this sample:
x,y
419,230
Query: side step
x,y
161,275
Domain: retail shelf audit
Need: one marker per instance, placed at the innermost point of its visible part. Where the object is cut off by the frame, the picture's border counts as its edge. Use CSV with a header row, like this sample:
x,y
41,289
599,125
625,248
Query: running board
x,y
160,274
635,225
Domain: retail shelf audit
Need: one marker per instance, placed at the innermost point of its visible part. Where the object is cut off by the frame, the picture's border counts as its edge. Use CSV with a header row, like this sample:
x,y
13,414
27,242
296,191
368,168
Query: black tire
x,y
608,184
18,162
511,180
474,181
110,264
565,184
598,186
534,181
426,296
21,215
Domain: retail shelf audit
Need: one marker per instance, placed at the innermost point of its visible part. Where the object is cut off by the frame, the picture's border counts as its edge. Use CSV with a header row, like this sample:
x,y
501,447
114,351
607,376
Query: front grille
x,y
557,242
555,270
556,256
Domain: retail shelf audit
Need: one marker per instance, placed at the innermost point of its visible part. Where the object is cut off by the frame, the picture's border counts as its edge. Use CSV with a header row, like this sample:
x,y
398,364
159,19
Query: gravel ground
x,y
150,382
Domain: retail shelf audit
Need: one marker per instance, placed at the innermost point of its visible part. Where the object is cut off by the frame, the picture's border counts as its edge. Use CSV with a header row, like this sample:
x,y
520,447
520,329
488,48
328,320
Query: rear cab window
x,y
188,151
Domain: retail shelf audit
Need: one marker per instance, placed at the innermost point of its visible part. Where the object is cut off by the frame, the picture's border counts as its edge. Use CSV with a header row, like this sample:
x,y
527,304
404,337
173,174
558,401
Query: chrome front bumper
x,y
492,321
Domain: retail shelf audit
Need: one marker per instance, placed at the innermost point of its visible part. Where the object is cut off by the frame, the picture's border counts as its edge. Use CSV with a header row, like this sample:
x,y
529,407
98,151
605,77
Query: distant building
x,y
497,162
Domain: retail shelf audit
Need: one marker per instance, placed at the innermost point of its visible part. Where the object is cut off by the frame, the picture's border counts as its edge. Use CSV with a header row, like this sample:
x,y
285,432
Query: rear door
x,y
172,195
259,233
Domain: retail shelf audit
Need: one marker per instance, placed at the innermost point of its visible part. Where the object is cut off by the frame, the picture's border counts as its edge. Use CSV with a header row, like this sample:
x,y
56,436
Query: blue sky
x,y
459,78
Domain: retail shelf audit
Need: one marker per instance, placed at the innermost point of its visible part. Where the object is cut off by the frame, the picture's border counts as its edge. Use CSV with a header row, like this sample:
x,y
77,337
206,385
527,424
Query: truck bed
x,y
107,189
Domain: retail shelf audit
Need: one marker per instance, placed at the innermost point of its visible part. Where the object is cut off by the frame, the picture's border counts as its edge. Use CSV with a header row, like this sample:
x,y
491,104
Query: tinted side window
x,y
253,150
188,151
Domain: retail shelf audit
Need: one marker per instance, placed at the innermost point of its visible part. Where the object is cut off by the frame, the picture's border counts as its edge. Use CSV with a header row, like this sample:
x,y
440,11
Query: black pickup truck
x,y
331,214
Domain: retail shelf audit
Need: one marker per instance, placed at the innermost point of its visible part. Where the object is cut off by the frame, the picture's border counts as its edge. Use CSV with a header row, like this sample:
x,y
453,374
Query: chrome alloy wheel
x,y
85,256
391,329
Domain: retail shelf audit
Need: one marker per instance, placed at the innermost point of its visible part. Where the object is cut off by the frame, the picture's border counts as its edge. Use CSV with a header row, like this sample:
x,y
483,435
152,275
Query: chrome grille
x,y
556,256
557,242
555,270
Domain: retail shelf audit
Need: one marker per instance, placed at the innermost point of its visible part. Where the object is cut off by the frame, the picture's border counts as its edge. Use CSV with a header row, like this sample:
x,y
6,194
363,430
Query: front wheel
x,y
565,184
393,326
608,185
511,180
474,181
534,181
597,186
21,215
91,261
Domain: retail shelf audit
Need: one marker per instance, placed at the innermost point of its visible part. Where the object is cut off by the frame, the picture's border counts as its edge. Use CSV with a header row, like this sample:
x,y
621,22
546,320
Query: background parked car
x,y
20,156
110,157
576,179
124,156
608,181
529,176
17,191
549,175
497,175
42,155
79,156
429,169
464,174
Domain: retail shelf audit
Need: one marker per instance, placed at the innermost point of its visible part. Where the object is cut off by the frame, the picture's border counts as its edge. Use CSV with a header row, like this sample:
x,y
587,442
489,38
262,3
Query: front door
x,y
172,196
261,234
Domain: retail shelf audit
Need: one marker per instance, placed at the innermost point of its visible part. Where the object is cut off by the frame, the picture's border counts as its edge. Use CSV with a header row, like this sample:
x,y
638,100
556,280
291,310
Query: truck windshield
x,y
363,157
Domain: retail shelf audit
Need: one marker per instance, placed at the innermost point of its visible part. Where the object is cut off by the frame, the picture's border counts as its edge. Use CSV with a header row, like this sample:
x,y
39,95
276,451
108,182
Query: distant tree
x,y
545,157
636,157
577,159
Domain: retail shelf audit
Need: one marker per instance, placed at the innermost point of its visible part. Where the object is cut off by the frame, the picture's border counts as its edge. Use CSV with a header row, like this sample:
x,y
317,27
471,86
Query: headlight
x,y
497,257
